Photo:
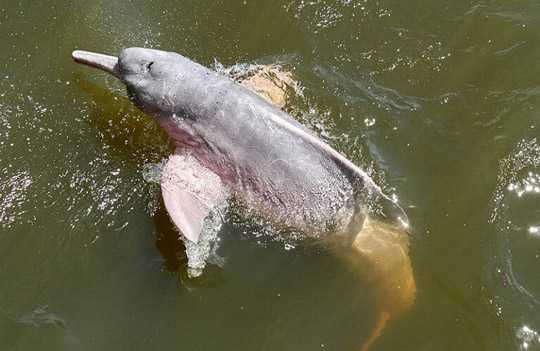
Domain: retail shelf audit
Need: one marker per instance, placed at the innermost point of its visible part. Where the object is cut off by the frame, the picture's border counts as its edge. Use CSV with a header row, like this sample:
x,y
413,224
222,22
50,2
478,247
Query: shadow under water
x,y
137,136
123,126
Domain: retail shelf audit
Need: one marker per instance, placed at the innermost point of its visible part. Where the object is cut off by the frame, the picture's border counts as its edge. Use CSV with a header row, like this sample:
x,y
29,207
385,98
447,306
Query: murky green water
x,y
440,100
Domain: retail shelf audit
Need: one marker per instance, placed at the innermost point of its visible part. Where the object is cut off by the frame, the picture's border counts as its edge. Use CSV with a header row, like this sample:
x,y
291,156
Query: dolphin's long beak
x,y
104,62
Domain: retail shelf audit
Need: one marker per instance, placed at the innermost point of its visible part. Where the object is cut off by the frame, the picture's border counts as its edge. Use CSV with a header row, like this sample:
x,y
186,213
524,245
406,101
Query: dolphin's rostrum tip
x,y
104,62
77,54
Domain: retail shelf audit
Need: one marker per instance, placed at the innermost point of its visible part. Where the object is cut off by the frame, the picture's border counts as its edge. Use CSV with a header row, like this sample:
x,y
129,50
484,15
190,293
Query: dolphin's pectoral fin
x,y
195,198
190,193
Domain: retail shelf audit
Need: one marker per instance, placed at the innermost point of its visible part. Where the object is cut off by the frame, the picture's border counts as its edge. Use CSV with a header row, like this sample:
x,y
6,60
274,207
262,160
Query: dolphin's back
x,y
272,162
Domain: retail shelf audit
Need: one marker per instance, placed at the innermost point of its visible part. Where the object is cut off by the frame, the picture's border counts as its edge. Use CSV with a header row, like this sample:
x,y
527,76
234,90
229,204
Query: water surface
x,y
438,100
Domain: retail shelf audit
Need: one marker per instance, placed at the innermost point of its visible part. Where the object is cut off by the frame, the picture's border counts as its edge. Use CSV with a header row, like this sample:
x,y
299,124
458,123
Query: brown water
x,y
438,100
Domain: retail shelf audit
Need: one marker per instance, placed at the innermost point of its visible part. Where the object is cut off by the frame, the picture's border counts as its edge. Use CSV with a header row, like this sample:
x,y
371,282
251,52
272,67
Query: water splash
x,y
238,71
275,78
369,122
527,338
205,249
151,172
528,185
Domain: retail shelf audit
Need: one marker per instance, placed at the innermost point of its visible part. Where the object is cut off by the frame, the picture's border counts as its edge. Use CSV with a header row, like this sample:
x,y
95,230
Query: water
x,y
438,101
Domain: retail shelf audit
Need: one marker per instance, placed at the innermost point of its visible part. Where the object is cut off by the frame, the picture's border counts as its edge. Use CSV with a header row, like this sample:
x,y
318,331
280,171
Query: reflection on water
x,y
527,337
12,197
515,215
40,316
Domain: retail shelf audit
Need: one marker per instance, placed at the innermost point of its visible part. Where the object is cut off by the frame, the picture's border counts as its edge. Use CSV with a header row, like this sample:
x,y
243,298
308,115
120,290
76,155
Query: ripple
x,y
517,175
40,316
515,216
384,97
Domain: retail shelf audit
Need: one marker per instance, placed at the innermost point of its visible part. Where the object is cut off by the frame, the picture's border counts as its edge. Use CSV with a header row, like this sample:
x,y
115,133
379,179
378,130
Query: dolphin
x,y
231,143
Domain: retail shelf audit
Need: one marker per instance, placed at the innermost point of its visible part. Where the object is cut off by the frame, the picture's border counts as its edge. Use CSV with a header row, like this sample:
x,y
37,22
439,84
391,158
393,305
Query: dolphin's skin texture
x,y
232,142
265,157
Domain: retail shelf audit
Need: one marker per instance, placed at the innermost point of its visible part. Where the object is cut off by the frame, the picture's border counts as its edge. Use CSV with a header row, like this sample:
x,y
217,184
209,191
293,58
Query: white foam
x,y
204,250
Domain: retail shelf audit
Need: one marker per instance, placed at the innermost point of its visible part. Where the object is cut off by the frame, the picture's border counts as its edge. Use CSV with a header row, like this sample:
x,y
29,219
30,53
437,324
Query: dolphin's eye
x,y
149,65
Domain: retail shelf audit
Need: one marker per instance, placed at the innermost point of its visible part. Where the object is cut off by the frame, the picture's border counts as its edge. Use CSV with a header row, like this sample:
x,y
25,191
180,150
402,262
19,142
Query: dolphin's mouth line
x,y
100,61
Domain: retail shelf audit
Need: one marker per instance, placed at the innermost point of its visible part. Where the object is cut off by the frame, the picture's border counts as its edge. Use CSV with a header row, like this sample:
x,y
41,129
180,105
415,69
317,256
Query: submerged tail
x,y
386,249
377,331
